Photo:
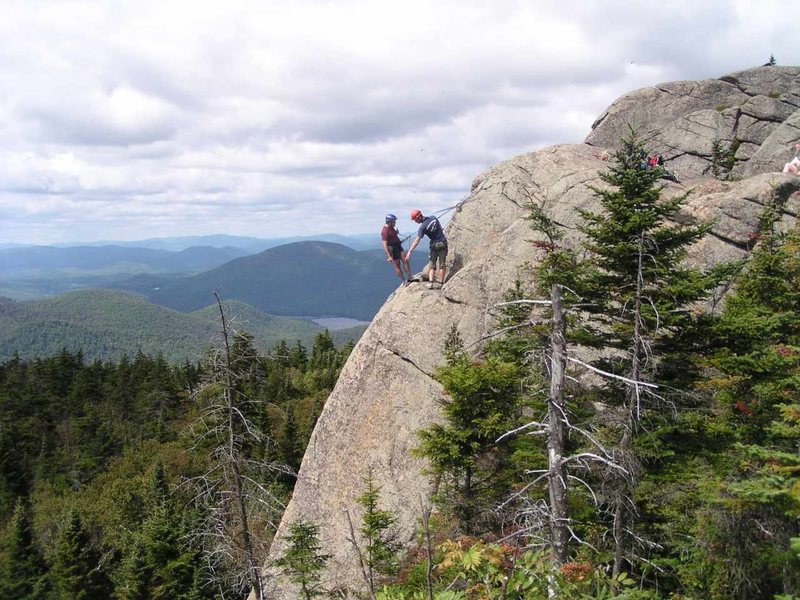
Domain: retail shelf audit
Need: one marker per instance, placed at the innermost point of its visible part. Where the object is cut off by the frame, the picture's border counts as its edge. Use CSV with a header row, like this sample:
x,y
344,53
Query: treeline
x,y
105,324
629,436
98,462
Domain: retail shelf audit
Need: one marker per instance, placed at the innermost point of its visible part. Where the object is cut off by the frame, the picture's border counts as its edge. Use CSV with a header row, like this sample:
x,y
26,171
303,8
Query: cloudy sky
x,y
130,120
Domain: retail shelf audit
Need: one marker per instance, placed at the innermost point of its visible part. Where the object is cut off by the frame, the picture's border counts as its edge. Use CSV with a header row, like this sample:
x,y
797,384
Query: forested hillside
x,y
105,324
98,460
36,271
300,279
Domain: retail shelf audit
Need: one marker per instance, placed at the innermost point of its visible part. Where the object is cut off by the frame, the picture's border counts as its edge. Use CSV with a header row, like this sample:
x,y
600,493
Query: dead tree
x,y
234,490
557,476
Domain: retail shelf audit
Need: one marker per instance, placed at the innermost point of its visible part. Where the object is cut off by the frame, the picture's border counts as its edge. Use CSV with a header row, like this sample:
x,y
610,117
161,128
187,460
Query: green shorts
x,y
437,254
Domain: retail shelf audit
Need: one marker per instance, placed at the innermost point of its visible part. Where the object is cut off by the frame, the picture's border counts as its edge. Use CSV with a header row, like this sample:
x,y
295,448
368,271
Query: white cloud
x,y
270,118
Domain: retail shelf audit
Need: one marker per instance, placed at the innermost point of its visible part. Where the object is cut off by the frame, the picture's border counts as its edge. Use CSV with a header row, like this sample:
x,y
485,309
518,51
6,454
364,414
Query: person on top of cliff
x,y
394,248
793,167
437,253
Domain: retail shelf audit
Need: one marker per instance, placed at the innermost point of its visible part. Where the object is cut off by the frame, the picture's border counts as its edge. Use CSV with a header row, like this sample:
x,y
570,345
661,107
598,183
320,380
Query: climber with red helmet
x,y
437,253
394,248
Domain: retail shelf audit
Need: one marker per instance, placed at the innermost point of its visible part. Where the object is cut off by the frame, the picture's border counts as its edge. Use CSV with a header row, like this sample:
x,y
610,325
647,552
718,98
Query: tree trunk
x,y
253,570
557,479
633,408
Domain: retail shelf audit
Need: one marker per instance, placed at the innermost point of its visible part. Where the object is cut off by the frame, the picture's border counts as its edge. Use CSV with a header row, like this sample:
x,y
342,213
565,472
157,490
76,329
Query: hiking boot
x,y
431,285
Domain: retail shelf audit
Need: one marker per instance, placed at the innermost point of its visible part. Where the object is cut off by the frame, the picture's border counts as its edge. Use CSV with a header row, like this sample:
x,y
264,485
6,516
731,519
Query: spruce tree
x,y
640,291
756,379
23,569
482,401
302,561
238,491
380,548
76,574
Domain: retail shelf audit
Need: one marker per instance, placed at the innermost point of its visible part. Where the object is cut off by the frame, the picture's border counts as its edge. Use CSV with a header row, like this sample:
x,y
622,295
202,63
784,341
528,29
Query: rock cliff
x,y
387,390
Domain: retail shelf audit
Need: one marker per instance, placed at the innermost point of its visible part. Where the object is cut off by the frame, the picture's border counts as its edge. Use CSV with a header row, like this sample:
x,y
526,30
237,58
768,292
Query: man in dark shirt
x,y
394,247
437,253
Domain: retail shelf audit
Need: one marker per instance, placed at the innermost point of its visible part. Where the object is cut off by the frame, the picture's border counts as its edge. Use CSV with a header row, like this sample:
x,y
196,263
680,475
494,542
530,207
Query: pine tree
x,y
640,289
756,377
302,561
23,569
76,573
379,548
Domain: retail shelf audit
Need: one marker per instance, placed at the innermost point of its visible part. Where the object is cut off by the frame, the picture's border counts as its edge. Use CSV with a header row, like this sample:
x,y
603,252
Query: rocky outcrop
x,y
387,390
746,119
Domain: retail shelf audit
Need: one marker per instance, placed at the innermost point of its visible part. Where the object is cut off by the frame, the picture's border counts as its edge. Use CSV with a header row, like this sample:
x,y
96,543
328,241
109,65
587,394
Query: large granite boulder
x,y
387,391
745,120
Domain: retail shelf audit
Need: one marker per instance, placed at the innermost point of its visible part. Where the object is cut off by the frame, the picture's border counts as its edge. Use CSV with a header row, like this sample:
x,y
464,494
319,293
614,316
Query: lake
x,y
334,323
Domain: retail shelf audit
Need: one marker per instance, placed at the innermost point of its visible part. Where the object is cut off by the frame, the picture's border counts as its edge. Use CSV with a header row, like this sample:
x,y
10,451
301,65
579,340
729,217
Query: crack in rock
x,y
406,359
736,244
453,300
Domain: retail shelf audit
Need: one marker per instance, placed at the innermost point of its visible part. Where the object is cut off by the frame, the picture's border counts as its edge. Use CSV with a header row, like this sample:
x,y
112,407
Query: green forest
x,y
100,464
104,324
630,432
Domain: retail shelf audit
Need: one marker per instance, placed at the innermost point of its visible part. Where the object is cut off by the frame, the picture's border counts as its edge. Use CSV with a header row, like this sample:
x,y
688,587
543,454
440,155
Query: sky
x,y
274,118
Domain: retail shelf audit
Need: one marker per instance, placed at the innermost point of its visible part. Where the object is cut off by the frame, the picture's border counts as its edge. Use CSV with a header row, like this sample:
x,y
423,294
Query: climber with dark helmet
x,y
394,247
437,253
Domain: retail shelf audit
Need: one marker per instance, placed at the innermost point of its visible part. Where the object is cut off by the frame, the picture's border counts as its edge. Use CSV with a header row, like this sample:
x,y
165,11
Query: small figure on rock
x,y
437,253
656,161
793,166
394,248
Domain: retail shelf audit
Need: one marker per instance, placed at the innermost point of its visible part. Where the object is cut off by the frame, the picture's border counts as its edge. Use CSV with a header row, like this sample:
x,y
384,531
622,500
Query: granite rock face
x,y
387,391
748,119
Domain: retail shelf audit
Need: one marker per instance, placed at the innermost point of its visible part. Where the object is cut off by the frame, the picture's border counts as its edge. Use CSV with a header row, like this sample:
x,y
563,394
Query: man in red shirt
x,y
394,247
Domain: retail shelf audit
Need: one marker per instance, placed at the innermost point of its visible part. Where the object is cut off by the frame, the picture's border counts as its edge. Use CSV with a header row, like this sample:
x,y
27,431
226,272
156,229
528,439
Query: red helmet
x,y
416,214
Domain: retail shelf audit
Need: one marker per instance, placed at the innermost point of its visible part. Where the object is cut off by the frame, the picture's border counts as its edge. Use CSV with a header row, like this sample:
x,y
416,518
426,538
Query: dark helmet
x,y
390,218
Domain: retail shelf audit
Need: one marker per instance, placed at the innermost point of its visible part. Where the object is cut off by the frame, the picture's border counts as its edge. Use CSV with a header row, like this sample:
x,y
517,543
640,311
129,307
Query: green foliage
x,y
755,378
105,325
462,451
723,158
489,571
22,569
302,561
380,548
76,572
107,440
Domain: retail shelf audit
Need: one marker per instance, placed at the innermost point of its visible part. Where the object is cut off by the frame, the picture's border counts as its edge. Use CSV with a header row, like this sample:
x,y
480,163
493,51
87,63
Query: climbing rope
x,y
457,206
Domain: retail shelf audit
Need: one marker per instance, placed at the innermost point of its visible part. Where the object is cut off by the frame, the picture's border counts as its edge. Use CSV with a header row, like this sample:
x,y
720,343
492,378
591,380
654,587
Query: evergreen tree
x,y
302,561
23,569
323,352
158,564
756,379
380,548
482,399
640,289
238,489
76,574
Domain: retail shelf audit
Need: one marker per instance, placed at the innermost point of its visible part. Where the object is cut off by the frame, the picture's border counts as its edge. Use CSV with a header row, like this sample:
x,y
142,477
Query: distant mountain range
x,y
299,279
29,272
33,260
110,300
250,245
105,324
